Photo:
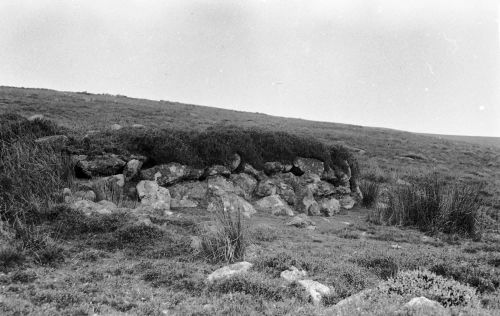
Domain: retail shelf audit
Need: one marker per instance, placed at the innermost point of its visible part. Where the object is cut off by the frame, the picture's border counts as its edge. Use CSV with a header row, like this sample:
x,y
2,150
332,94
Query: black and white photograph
x,y
250,157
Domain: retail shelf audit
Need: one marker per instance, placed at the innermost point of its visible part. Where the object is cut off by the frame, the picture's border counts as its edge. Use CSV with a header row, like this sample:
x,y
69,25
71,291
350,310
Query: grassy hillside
x,y
377,148
481,140
55,260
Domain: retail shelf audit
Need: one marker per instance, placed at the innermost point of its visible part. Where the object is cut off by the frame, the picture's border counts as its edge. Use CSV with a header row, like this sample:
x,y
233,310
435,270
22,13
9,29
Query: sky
x,y
428,66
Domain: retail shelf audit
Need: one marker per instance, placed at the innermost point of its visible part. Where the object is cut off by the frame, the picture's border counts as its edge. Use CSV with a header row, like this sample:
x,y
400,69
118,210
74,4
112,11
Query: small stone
x,y
273,167
315,290
419,302
301,221
101,165
116,127
329,207
273,204
249,169
88,207
307,204
166,174
132,169
266,188
217,170
293,274
153,196
347,202
36,117
235,162
183,203
231,203
244,184
309,165
66,191
229,271
88,195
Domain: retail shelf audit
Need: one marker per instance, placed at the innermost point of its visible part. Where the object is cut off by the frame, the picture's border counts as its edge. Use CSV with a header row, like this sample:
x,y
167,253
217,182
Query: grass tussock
x,y
38,244
258,285
31,176
433,206
371,192
226,240
276,263
10,257
382,266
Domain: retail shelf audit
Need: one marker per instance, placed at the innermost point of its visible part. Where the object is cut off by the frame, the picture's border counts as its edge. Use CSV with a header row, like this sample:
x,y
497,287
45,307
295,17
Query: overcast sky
x,y
424,65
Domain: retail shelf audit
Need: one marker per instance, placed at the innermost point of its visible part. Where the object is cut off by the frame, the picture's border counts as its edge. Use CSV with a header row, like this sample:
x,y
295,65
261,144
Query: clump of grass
x,y
382,266
31,179
274,264
482,247
371,192
461,210
372,172
226,241
69,223
137,235
432,206
171,245
178,276
22,276
258,285
348,233
11,257
264,233
39,244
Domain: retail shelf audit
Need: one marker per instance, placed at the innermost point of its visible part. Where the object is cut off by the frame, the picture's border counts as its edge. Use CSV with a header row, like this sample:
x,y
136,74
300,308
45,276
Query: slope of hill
x,y
481,140
88,250
387,149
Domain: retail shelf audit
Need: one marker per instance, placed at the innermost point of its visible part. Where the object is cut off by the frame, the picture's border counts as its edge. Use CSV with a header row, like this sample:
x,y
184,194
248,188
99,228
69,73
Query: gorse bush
x,y
226,241
424,283
433,206
483,278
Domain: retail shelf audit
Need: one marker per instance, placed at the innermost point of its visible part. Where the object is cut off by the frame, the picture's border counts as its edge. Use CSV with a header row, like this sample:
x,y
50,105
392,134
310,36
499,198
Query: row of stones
x,y
276,187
